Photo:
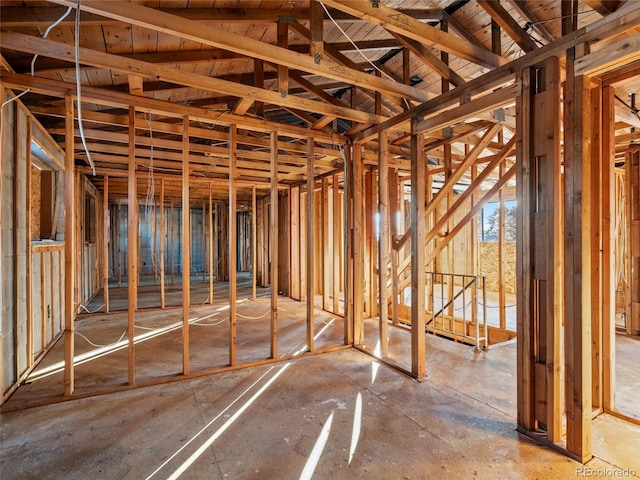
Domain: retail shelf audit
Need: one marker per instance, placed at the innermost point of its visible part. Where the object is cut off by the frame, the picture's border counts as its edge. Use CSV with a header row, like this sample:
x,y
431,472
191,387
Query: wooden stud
x,y
357,281
186,247
608,256
69,252
337,243
577,284
394,217
132,247
172,245
595,212
383,242
254,256
105,243
327,247
418,232
274,244
211,247
27,247
162,246
501,256
294,243
204,236
233,134
310,247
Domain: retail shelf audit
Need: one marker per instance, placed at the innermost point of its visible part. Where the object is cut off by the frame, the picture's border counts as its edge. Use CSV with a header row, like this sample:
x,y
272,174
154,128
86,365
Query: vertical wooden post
x,y
258,68
358,245
119,239
371,304
418,235
336,223
254,241
283,72
132,245
316,28
348,246
310,245
608,255
27,246
232,243
632,187
172,245
327,247
577,282
105,244
595,213
186,246
204,236
69,250
210,246
525,322
394,213
162,245
294,243
274,243
383,245
501,254
539,254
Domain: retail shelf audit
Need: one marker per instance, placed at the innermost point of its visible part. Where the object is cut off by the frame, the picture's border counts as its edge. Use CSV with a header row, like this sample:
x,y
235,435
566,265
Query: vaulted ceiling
x,y
303,68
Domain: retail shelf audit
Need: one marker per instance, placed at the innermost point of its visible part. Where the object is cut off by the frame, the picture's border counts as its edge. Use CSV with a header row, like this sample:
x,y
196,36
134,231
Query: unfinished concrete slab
x,y
317,417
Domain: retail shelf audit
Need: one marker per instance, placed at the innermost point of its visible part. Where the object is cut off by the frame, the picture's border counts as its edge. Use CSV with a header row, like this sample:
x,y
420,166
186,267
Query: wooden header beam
x,y
123,100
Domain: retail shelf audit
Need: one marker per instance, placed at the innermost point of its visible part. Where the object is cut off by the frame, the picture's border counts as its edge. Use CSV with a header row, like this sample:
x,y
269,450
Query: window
x,y
490,222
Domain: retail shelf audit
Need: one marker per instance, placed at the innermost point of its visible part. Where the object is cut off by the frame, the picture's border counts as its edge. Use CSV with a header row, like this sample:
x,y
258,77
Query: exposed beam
x,y
523,9
626,17
156,20
508,24
45,16
430,59
395,21
173,110
491,101
49,48
618,54
603,7
462,32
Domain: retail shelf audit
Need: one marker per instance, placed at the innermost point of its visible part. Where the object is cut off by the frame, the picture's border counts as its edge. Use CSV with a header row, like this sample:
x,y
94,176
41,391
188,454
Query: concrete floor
x,y
359,419
336,415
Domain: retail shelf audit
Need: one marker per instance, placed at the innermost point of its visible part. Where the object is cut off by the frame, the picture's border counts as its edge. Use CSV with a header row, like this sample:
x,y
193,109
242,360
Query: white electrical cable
x,y
78,89
35,57
97,345
354,45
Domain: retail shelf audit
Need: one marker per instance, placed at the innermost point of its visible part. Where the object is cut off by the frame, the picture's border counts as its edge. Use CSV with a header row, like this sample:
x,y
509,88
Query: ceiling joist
x,y
156,20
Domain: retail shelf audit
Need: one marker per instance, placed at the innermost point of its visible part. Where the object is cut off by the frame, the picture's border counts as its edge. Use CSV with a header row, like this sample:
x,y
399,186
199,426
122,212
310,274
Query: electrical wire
x,y
354,45
79,89
35,57
102,346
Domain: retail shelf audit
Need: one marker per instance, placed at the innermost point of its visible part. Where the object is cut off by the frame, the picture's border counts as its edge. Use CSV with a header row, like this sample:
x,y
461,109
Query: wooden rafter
x,y
508,24
45,16
156,20
105,60
603,7
395,21
430,59
523,9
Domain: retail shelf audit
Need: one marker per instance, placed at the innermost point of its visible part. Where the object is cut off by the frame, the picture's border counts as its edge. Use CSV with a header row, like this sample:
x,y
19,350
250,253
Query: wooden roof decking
x,y
194,61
